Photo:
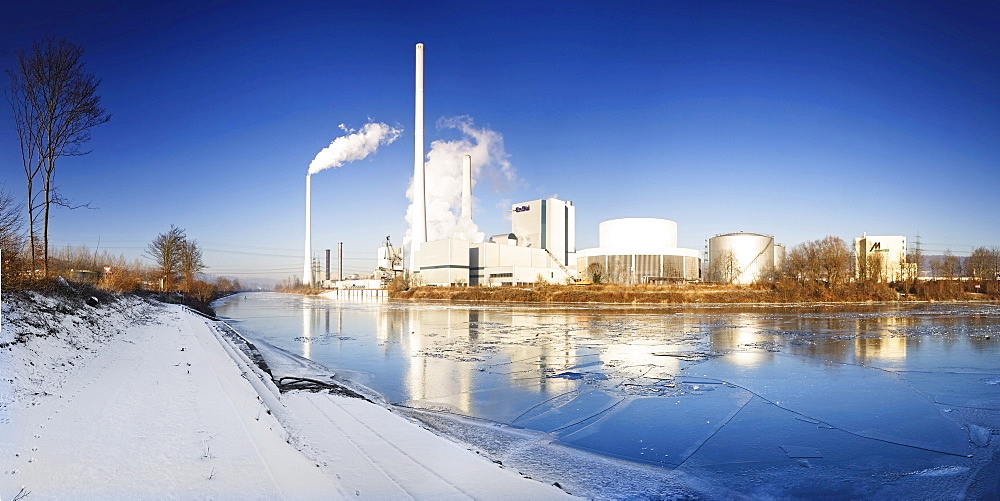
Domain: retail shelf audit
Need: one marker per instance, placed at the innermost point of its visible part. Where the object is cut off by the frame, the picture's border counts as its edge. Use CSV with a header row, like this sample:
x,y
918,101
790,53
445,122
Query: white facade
x,y
546,224
640,250
443,262
499,264
881,258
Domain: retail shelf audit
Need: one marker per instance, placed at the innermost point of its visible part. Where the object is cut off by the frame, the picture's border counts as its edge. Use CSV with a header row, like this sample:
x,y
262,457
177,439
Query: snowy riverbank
x,y
136,399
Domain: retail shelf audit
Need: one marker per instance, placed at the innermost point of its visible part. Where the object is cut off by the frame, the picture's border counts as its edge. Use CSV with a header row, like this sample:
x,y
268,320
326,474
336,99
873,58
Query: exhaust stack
x,y
419,224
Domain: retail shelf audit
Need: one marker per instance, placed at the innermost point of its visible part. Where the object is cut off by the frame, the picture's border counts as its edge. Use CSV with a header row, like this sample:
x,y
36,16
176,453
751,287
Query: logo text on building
x,y
523,208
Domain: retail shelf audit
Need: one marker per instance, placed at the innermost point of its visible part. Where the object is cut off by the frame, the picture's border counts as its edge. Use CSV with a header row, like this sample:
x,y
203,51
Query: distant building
x,y
881,259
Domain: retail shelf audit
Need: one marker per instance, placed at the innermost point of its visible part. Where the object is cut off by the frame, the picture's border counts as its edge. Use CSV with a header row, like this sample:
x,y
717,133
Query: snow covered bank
x,y
135,399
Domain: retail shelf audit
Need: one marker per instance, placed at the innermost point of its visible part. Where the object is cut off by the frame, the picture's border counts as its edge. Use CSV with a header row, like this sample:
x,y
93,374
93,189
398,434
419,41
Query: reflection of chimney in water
x,y
473,323
326,324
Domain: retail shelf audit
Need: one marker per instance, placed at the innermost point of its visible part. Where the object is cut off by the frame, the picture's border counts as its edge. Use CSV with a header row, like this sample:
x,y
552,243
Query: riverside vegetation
x,y
778,292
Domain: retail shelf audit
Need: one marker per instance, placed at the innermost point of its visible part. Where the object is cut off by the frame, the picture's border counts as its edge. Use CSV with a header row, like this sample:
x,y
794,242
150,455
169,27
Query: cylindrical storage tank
x,y
779,257
638,234
740,258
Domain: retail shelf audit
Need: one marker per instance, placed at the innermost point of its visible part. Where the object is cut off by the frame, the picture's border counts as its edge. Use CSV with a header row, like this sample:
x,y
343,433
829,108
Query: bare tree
x,y
55,104
937,266
725,268
823,261
951,265
983,263
10,223
596,273
190,262
165,250
915,260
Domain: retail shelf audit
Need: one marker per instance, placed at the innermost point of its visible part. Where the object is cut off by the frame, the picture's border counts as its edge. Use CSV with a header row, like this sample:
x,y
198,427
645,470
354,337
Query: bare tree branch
x,y
55,104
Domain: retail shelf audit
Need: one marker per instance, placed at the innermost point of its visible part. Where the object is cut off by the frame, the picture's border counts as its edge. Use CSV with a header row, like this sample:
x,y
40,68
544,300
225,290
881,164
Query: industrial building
x,y
541,241
743,258
639,250
881,259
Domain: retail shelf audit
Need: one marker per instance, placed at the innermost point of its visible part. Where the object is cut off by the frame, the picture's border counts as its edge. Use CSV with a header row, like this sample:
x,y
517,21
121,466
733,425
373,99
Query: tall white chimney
x,y
419,223
307,276
466,188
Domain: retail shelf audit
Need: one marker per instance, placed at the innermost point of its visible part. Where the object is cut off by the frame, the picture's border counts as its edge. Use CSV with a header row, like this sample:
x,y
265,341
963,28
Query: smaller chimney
x,y
328,264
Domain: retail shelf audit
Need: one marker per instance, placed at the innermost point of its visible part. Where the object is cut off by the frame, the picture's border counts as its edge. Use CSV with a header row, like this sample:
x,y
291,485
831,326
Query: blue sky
x,y
795,119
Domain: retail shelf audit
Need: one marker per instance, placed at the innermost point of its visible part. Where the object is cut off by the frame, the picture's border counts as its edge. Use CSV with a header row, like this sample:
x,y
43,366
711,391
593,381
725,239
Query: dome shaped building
x,y
638,250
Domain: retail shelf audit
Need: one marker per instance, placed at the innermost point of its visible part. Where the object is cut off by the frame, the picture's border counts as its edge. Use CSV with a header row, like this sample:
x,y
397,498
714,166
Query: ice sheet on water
x,y
961,389
868,402
628,432
801,452
979,435
567,413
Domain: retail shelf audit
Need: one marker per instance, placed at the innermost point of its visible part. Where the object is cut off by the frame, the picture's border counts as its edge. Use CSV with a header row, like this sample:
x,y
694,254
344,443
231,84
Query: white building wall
x,y
444,262
891,248
498,264
546,224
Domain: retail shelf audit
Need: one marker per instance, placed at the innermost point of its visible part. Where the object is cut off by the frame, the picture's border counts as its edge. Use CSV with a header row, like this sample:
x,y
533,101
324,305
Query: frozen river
x,y
855,401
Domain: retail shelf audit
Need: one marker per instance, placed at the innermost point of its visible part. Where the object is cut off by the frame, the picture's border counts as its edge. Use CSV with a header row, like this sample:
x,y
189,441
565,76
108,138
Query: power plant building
x,y
639,250
543,235
743,258
546,224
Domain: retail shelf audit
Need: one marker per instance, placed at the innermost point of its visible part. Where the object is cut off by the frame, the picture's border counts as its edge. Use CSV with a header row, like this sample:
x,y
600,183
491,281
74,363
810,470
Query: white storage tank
x,y
740,258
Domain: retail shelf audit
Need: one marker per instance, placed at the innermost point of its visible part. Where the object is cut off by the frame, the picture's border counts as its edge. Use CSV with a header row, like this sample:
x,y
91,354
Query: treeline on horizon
x,y
176,270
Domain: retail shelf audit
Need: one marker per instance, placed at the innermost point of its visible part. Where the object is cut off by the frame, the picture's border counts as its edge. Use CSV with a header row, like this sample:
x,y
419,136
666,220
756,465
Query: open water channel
x,y
885,401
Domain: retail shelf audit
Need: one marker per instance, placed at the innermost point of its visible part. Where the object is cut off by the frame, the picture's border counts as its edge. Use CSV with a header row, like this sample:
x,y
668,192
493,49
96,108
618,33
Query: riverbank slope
x,y
131,398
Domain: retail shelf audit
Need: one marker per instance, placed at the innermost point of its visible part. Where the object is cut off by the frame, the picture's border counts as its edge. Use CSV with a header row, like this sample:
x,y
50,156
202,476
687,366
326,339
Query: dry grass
x,y
781,292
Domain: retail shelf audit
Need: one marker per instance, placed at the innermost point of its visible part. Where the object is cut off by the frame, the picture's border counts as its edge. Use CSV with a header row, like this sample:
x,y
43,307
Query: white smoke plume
x,y
444,177
354,146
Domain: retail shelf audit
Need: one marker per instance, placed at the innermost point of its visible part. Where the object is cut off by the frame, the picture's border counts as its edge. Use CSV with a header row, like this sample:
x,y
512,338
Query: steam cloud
x,y
443,177
354,146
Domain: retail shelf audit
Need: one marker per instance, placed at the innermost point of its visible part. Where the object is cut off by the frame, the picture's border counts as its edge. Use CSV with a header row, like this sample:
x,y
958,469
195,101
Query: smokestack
x,y
307,277
328,266
419,228
467,187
